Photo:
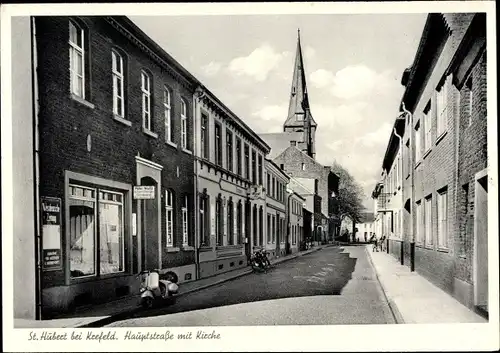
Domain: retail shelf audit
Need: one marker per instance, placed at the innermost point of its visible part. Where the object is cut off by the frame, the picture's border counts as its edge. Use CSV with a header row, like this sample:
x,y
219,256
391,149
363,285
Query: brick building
x,y
444,231
230,176
115,113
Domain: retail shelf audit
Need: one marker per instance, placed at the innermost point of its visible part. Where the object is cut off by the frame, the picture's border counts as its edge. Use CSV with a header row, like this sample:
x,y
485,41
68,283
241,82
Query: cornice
x,y
147,50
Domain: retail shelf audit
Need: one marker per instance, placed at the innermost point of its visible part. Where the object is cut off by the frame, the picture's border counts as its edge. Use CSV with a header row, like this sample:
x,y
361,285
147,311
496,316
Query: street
x,y
336,285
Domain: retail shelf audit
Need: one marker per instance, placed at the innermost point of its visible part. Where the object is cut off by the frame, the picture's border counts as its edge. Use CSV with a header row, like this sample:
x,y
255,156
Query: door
x,y
481,243
149,229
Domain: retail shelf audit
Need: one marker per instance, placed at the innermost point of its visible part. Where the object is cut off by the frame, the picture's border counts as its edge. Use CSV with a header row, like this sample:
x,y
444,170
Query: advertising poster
x,y
51,234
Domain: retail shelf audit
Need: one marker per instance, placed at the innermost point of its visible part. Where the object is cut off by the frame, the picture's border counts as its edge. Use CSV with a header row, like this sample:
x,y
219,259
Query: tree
x,y
349,200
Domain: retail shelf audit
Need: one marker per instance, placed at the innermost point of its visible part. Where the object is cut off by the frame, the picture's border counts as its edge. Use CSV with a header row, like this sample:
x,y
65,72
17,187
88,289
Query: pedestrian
x,y
382,243
373,240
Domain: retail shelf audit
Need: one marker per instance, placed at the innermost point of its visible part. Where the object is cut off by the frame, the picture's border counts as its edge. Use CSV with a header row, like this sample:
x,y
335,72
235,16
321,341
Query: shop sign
x,y
144,192
51,234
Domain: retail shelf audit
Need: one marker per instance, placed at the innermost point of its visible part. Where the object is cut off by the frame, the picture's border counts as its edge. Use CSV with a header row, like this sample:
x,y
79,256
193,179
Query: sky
x,y
353,69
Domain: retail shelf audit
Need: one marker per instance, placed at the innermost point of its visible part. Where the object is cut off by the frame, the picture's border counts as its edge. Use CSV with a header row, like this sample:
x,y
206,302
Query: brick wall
x,y
66,123
472,159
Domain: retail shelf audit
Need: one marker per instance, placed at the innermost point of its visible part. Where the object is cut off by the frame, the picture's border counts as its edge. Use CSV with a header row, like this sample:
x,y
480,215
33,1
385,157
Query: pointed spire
x,y
299,101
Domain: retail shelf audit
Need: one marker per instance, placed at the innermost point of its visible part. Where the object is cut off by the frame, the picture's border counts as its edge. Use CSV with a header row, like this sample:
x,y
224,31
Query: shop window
x,y
95,249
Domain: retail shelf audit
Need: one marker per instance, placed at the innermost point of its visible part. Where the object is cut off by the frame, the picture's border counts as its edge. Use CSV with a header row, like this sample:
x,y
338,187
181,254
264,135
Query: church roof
x,y
299,100
280,141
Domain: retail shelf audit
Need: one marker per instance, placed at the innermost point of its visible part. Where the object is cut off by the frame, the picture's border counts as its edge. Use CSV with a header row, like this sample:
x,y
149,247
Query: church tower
x,y
299,119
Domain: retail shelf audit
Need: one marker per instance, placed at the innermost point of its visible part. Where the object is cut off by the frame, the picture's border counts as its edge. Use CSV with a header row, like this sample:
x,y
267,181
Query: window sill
x,y
149,132
427,153
441,137
170,143
187,248
441,249
82,101
122,120
172,249
187,151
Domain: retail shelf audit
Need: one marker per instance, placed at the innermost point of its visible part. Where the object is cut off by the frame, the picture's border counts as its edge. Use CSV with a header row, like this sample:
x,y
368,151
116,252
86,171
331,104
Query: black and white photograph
x,y
256,176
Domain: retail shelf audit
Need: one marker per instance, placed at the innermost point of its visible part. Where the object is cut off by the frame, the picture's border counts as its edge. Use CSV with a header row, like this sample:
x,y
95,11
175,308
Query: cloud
x,y
354,82
379,137
258,63
321,78
309,52
272,112
212,68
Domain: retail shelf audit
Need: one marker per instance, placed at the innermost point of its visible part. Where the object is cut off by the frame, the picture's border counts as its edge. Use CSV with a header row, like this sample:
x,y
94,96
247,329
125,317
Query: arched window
x,y
169,217
230,222
184,127
77,59
168,117
146,101
118,72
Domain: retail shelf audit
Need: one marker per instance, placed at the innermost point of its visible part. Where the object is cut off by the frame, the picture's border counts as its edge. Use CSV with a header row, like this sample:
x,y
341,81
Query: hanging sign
x,y
51,233
144,192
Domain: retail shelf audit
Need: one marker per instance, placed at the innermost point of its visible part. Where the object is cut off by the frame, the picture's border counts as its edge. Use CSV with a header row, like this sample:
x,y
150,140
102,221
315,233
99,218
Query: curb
x,y
398,318
124,314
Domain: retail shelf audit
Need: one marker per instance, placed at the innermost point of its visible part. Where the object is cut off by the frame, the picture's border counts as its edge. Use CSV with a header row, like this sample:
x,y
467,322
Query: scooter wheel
x,y
147,302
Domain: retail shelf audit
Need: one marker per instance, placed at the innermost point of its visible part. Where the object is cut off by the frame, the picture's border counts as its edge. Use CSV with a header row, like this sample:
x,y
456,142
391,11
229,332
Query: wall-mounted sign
x,y
51,234
144,192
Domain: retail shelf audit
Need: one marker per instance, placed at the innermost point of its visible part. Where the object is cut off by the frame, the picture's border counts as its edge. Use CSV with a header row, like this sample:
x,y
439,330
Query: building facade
x,y
230,175
276,240
296,221
114,114
445,207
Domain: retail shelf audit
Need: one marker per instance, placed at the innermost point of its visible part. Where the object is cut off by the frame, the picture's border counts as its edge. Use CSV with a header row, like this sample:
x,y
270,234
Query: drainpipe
x,y
198,95
412,199
36,176
402,195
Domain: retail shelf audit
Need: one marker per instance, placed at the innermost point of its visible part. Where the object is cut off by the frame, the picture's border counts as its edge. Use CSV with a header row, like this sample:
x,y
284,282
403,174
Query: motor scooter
x,y
260,262
156,286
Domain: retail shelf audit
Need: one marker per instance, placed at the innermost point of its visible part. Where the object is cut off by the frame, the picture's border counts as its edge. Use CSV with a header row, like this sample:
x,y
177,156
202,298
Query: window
x,y
219,220
238,156
441,107
118,91
229,151
204,136
268,189
427,127
146,101
469,100
168,117
184,211
218,144
77,59
274,187
303,166
184,125
169,217
260,169
442,216
268,228
254,225
254,167
418,139
239,223
428,221
230,222
247,162
261,226
273,228
204,225
419,220
96,247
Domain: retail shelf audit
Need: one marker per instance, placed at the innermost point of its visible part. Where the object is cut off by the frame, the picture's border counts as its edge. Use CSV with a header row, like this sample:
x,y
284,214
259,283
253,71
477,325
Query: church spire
x,y
299,101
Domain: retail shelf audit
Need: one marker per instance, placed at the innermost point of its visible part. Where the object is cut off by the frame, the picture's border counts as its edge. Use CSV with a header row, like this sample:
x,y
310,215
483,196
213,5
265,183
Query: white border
x,y
301,338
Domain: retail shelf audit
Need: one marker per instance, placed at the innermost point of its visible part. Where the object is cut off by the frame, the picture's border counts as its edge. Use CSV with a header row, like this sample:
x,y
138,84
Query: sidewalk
x,y
415,300
100,315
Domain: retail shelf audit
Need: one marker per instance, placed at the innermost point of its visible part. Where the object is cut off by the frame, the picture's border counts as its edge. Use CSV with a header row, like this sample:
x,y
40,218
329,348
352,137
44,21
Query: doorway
x,y
149,228
481,242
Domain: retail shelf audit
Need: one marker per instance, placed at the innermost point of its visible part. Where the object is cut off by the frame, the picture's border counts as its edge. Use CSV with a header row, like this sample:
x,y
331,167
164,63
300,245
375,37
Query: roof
x,y
299,188
367,217
299,100
280,141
